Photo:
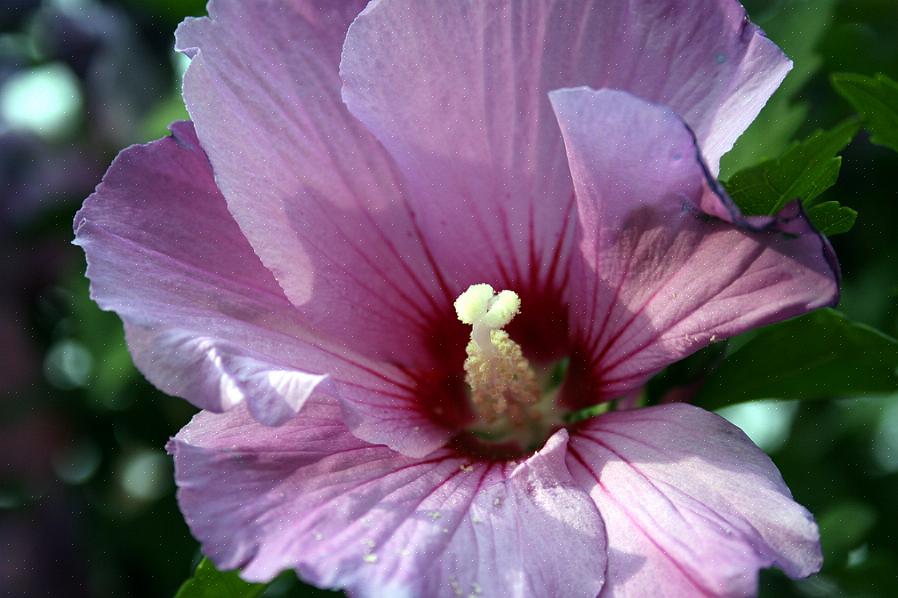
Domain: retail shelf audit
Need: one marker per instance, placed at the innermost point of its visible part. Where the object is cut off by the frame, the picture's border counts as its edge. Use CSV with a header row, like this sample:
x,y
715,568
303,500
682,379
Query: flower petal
x,y
667,264
457,92
314,193
204,319
347,514
688,499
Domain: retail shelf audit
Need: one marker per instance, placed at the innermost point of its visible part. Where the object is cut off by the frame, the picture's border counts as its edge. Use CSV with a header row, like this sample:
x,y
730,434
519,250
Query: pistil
x,y
501,381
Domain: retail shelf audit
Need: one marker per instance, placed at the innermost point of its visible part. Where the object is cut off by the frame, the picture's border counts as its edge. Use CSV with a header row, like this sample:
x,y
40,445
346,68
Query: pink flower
x,y
296,263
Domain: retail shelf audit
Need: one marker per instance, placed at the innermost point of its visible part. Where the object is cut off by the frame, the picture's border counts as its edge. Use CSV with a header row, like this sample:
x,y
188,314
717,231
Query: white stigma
x,y
501,380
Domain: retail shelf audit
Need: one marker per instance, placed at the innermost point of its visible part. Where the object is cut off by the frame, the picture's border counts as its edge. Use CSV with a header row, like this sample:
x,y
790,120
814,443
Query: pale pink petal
x,y
691,506
311,189
204,319
312,497
666,263
457,91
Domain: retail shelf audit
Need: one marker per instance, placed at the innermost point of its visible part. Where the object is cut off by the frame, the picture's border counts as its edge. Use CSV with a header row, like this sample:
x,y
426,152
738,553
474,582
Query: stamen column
x,y
501,380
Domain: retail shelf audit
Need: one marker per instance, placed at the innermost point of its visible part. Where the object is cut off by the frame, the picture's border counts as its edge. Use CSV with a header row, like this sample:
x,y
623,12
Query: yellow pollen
x,y
501,380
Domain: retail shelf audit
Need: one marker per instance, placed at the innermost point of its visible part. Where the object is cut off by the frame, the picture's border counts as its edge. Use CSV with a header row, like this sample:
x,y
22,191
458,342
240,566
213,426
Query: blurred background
x,y
87,502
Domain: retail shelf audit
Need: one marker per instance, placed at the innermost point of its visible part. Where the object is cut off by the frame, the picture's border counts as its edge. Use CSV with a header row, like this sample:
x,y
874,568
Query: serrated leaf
x,y
209,582
803,172
832,218
876,100
820,355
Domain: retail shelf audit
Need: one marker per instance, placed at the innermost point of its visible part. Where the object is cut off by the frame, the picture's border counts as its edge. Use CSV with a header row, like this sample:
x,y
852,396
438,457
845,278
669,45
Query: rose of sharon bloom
x,y
399,243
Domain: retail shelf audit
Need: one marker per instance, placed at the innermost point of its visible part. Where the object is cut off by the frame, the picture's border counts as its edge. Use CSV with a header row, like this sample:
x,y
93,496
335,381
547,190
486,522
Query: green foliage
x,y
209,582
797,26
802,172
832,218
167,111
173,11
843,528
586,413
686,373
820,355
876,100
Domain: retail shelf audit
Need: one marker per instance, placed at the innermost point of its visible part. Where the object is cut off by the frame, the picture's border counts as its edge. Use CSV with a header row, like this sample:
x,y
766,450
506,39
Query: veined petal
x,y
204,319
346,514
457,91
691,506
315,194
666,263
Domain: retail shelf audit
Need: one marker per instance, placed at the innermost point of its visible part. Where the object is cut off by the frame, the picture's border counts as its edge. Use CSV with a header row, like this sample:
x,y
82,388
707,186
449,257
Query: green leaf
x,y
803,172
820,355
686,373
844,527
876,100
797,26
832,218
209,582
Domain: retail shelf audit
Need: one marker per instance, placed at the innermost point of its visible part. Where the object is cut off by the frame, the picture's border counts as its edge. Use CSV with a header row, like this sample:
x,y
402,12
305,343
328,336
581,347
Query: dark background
x,y
87,502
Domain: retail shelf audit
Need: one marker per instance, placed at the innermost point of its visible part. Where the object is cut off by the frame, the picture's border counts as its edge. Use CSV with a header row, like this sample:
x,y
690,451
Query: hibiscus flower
x,y
402,245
